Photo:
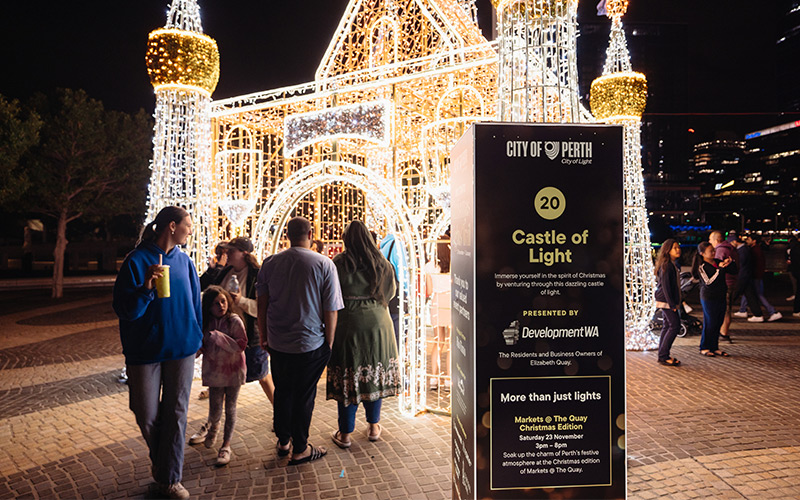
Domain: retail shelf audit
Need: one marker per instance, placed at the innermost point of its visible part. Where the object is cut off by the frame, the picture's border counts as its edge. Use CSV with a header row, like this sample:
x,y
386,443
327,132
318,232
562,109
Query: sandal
x,y
375,437
726,338
316,454
283,452
669,362
707,354
722,354
335,437
224,456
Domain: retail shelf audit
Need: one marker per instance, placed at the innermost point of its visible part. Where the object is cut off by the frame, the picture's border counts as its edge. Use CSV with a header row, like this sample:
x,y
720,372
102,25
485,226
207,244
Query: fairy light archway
x,y
384,199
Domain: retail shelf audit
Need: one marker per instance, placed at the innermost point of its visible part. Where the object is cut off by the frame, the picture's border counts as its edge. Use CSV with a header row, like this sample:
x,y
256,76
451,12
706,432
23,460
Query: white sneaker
x,y
740,314
175,490
789,299
775,316
199,436
224,456
756,319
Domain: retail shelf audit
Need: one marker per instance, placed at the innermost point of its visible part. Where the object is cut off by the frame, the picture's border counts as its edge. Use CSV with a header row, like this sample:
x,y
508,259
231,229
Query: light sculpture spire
x,y
538,78
619,97
183,65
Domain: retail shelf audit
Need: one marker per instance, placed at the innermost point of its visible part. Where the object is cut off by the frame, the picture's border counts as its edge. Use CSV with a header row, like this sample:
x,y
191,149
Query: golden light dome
x,y
616,8
618,96
180,58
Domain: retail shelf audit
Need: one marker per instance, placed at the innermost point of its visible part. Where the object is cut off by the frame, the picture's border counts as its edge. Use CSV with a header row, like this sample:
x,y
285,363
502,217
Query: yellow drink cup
x,y
162,283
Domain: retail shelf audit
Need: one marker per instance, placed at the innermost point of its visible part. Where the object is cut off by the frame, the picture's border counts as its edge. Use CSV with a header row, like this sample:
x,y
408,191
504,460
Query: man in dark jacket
x,y
745,281
759,267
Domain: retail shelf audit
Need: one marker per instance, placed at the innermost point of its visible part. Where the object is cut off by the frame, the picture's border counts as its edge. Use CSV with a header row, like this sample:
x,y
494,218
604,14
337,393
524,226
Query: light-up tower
x,y
183,65
619,97
538,71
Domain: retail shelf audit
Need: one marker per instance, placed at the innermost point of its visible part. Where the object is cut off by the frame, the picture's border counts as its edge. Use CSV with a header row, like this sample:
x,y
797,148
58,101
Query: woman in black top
x,y
668,298
713,290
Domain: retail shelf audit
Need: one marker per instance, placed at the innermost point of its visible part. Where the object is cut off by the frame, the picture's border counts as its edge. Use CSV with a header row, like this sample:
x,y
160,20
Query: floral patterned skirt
x,y
364,364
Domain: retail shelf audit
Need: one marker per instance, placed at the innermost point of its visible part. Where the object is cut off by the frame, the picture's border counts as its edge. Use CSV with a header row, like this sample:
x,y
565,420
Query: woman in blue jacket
x,y
668,298
160,337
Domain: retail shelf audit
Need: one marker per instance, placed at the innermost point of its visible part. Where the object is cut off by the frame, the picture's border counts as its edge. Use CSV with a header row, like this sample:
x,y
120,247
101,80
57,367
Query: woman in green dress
x,y
364,366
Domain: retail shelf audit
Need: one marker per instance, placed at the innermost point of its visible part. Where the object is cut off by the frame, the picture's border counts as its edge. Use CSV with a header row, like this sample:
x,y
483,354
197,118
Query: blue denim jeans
x,y
347,415
672,325
159,398
713,316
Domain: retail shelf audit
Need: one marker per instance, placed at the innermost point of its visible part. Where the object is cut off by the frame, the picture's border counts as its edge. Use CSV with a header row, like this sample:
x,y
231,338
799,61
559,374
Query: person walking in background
x,y
160,336
394,253
710,272
722,250
745,283
298,300
238,277
224,340
668,298
753,242
364,366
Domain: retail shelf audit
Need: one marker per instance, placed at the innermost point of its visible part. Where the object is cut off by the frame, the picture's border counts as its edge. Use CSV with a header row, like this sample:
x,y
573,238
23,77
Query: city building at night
x,y
772,166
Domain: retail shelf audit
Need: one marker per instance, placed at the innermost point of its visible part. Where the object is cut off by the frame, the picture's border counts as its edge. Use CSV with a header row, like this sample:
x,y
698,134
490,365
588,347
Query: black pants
x,y
296,377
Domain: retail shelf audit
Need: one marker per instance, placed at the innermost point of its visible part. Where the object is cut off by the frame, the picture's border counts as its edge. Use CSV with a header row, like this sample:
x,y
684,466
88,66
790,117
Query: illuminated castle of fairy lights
x,y
370,137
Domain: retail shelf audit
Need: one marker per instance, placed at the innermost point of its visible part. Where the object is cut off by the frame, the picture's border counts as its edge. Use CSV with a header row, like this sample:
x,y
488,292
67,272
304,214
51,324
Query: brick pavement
x,y
713,428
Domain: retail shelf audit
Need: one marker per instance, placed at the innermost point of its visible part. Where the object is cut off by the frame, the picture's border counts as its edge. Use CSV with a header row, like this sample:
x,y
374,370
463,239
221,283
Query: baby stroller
x,y
689,324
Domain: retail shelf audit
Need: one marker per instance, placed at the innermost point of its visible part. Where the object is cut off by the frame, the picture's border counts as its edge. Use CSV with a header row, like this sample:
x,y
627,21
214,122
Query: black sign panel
x,y
538,312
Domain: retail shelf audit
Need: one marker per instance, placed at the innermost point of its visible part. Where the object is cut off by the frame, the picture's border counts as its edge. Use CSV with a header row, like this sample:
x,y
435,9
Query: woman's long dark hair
x,y
251,260
161,222
361,253
663,257
698,259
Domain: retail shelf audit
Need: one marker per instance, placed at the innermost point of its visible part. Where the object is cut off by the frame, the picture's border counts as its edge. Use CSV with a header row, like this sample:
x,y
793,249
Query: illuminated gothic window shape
x,y
331,207
239,163
460,106
412,186
383,42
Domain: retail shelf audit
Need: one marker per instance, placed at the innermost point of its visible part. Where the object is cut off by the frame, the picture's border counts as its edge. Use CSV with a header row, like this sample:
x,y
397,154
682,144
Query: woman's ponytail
x,y
161,222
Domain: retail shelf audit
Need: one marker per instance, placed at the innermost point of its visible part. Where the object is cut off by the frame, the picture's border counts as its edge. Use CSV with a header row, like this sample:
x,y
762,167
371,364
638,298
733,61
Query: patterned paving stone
x,y
81,346
713,428
56,394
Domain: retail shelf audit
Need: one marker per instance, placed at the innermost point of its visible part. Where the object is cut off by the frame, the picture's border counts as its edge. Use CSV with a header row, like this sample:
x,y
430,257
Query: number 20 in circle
x,y
550,203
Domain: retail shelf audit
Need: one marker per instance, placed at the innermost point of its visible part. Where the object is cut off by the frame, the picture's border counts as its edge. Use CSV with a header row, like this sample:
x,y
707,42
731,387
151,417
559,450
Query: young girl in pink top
x,y
224,340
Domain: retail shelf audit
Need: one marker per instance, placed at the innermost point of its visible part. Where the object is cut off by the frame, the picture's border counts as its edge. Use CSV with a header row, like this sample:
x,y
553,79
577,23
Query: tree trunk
x,y
58,256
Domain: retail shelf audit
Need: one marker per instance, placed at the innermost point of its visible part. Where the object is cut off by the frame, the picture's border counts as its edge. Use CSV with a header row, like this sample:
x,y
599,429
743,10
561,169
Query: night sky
x,y
265,44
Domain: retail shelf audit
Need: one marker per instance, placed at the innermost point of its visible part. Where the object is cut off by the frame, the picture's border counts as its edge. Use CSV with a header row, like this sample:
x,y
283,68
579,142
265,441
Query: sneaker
x,y
775,316
175,490
199,436
224,456
756,319
740,314
789,299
